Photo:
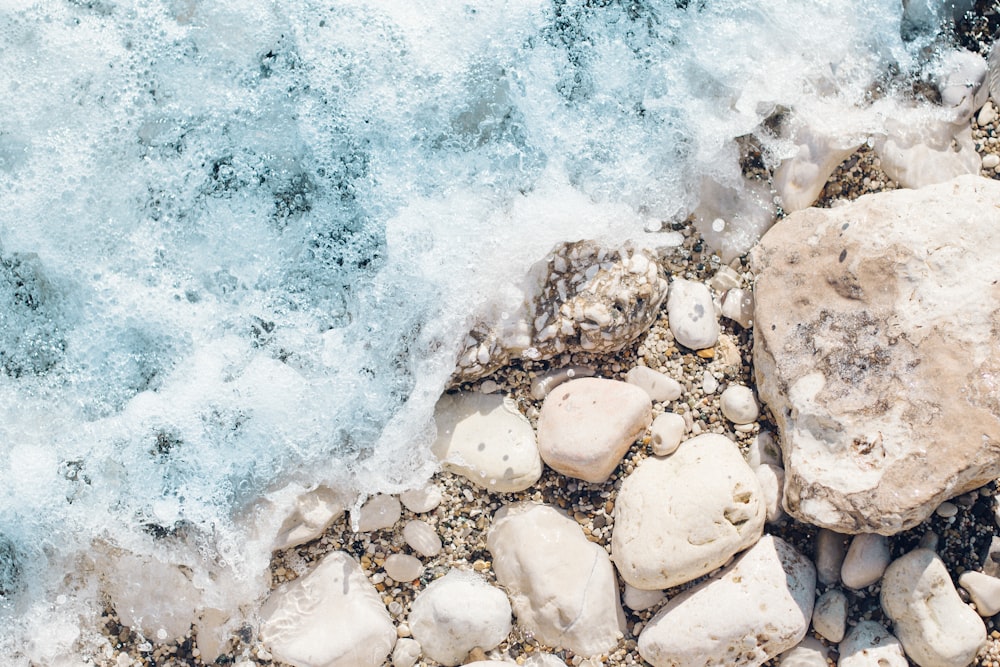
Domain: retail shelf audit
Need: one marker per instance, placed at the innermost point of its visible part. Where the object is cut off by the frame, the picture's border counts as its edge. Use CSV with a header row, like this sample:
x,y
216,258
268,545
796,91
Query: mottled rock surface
x,y
875,351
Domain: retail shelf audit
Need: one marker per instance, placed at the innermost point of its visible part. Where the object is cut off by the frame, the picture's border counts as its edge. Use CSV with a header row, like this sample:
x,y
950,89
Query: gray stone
x,y
874,349
830,615
831,549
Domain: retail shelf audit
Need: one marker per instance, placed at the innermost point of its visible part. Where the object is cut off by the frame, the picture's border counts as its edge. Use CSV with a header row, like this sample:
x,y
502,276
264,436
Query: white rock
x,y
991,161
331,617
935,627
831,549
155,597
747,614
660,387
866,560
738,404
666,433
737,305
691,314
987,115
799,179
680,517
380,511
422,500
542,385
311,515
725,278
868,644
830,615
984,591
457,613
487,440
544,660
637,599
562,587
772,481
421,538
586,426
764,451
406,653
709,384
810,652
403,567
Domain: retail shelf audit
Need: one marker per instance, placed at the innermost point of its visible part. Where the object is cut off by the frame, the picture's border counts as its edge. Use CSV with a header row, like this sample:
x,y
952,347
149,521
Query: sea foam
x,y
241,241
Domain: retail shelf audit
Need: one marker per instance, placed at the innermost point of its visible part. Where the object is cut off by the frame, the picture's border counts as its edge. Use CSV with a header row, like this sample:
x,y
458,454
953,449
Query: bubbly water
x,y
241,241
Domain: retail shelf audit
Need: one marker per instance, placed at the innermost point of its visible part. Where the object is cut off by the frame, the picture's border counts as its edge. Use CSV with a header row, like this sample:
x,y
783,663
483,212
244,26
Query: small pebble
x,y
660,387
666,431
991,161
422,538
830,615
866,560
402,567
422,500
708,383
381,511
984,591
946,510
406,653
739,405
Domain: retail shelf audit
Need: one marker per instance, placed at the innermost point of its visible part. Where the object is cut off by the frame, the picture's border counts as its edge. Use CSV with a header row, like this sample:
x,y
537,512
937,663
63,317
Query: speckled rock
x,y
869,644
586,426
583,297
680,517
767,595
932,623
691,314
873,340
459,612
562,587
330,617
484,438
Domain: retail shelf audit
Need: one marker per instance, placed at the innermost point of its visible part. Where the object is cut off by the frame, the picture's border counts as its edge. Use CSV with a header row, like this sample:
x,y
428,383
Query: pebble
x,y
830,615
991,161
709,384
421,538
666,433
831,548
542,385
946,510
457,613
739,405
402,567
932,623
585,428
737,305
810,652
330,617
984,591
562,587
724,279
381,511
406,653
691,314
660,387
764,451
772,483
866,560
311,515
637,599
869,644
420,501
987,115
679,517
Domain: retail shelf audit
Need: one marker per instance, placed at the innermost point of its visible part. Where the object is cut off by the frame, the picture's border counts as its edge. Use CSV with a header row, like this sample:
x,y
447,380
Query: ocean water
x,y
241,241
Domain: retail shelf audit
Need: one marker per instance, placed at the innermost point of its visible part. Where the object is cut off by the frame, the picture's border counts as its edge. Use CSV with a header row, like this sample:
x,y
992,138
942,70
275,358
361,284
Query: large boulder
x,y
875,350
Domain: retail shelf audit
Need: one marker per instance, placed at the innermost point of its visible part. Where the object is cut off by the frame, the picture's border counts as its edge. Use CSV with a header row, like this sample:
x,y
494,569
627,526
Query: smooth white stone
x,y
421,538
563,588
984,591
709,384
991,161
810,652
543,384
406,653
831,549
737,305
637,599
330,617
934,626
403,567
866,560
725,278
380,511
487,440
869,644
586,426
772,481
987,115
830,615
691,314
312,514
660,387
422,500
747,614
679,517
764,451
739,405
666,433
457,613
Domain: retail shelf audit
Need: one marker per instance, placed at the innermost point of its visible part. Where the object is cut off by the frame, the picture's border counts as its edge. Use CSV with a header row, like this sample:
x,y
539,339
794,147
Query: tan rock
x,y
875,351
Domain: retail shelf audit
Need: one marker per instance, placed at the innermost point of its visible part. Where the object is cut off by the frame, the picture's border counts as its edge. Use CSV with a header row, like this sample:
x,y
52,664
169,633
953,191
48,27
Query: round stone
x,y
422,500
666,432
402,567
738,405
422,538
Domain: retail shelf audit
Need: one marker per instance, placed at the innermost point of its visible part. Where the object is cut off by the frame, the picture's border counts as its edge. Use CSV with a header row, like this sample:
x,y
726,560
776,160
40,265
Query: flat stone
x,y
666,433
422,538
866,560
330,617
767,595
421,500
830,615
680,517
869,644
562,587
738,404
934,626
874,348
457,613
380,511
403,567
691,314
586,426
810,652
831,549
984,591
660,387
484,438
